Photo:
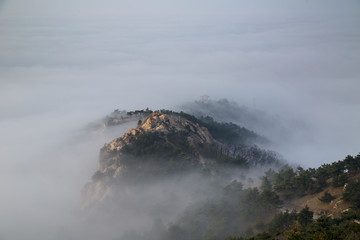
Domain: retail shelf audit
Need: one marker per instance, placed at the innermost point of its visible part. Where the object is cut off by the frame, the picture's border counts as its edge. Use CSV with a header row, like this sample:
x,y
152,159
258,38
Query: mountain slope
x,y
167,143
325,209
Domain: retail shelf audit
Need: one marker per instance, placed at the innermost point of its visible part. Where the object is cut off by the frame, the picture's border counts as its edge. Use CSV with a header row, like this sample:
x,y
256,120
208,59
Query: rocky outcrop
x,y
165,143
160,123
114,161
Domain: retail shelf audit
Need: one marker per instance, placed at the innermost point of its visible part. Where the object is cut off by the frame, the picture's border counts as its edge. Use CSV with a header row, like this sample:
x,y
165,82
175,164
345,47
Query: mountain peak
x,y
166,142
166,127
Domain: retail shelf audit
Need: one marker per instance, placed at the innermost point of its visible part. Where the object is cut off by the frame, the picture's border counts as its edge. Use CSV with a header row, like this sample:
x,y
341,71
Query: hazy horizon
x,y
66,64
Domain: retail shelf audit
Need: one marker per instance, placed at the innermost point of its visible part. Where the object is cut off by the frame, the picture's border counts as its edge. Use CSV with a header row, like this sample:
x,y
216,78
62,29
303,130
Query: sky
x,y
66,63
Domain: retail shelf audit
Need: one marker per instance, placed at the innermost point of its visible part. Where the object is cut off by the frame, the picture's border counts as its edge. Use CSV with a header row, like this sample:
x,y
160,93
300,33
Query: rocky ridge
x,y
160,123
113,160
165,143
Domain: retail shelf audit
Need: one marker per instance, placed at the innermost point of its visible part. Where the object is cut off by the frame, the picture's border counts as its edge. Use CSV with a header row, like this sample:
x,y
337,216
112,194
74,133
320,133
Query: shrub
x,y
327,197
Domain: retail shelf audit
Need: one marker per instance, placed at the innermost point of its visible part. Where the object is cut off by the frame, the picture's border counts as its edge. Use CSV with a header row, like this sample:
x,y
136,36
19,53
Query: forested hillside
x,y
240,212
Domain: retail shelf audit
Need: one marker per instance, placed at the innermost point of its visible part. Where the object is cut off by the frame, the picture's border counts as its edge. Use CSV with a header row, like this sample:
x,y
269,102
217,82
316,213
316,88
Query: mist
x,y
66,64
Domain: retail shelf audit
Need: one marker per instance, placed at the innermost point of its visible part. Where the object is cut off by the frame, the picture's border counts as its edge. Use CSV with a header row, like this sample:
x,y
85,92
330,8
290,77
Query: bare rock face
x,y
160,123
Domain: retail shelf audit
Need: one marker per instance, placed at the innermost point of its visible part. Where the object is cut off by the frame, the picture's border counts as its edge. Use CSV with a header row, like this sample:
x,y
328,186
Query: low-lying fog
x,y
66,64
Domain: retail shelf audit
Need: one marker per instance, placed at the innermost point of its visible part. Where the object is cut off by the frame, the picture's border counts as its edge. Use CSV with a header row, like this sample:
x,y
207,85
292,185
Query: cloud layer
x,y
64,64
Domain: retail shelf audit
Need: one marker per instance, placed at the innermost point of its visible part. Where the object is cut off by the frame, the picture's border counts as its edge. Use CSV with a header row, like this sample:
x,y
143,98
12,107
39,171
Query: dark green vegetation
x,y
159,153
301,182
146,112
240,212
352,193
327,197
229,133
169,146
153,155
301,225
118,117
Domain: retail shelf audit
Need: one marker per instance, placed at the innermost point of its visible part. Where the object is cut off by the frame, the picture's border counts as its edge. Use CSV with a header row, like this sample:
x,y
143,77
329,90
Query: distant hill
x,y
223,110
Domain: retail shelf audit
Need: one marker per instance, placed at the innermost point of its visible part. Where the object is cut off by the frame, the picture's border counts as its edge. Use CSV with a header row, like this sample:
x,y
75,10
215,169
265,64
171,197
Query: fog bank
x,y
65,64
